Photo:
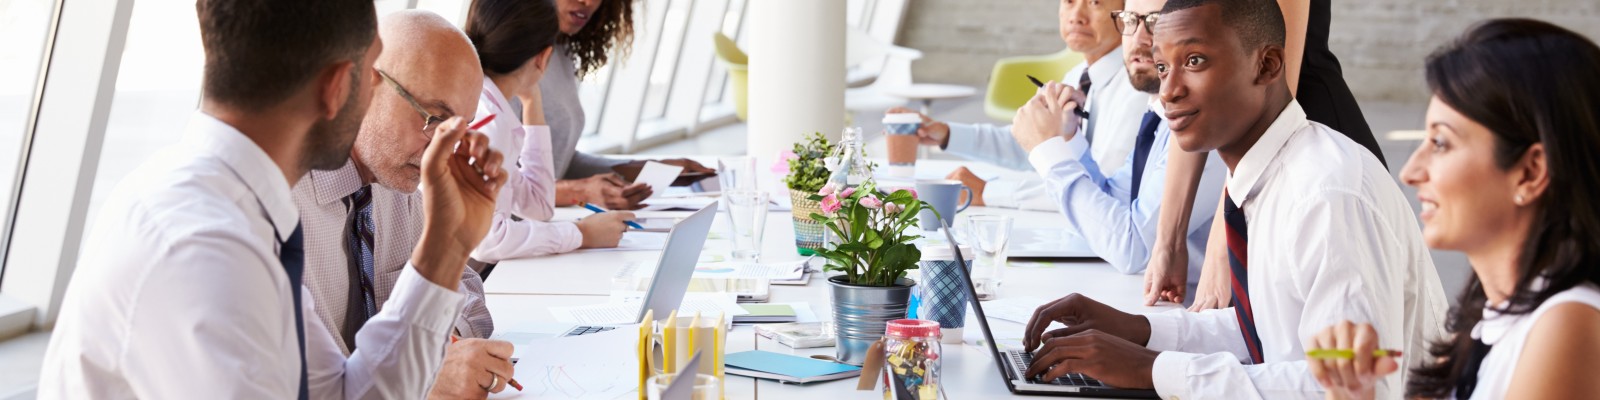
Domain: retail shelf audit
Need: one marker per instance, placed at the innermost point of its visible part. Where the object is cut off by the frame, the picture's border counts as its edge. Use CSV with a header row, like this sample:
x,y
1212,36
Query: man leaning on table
x,y
362,220
1113,105
1333,236
190,282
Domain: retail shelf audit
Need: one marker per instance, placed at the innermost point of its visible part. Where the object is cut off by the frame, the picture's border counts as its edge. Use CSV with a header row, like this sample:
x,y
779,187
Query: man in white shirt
x,y
1114,109
190,285
1318,231
361,221
1115,211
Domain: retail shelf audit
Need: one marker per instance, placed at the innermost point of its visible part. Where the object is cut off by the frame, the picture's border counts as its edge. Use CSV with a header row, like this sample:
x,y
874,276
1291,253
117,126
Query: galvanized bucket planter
x,y
861,313
809,234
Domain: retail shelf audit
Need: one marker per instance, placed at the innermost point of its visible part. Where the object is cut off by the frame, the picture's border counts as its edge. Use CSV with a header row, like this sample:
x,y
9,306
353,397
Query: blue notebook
x,y
786,368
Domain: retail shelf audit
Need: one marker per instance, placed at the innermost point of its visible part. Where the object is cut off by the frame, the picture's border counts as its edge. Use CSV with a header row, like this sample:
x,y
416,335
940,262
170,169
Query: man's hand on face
x,y
471,368
931,133
461,176
1048,114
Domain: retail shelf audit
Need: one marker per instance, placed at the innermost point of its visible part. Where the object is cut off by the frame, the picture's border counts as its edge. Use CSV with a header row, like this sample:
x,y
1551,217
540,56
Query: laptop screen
x,y
972,296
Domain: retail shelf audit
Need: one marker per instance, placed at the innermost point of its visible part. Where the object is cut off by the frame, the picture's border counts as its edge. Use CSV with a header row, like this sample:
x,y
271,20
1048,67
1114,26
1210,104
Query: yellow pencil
x,y
1346,354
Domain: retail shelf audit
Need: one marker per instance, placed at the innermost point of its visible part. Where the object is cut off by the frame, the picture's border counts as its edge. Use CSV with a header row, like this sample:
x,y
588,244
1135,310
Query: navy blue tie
x,y
1141,149
292,254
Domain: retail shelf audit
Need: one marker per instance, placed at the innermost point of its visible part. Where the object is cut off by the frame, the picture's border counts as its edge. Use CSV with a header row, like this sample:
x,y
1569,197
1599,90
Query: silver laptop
x,y
676,267
1014,363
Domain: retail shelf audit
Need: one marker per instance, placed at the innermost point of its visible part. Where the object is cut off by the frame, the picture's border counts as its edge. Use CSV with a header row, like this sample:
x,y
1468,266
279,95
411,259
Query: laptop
x,y
676,266
1013,364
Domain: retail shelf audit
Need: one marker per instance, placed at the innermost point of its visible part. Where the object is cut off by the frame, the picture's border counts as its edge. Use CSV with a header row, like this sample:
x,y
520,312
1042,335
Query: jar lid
x,y
939,250
913,328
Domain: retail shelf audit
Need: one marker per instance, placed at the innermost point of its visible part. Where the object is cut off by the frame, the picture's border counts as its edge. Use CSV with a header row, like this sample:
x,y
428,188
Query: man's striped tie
x,y
1238,261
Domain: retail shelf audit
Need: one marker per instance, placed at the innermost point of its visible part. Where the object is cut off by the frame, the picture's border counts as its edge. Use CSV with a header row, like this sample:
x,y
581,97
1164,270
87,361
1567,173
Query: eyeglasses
x,y
1127,22
429,120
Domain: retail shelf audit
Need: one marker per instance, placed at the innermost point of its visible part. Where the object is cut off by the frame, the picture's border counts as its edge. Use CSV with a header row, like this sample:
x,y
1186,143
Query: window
x,y
667,57
158,88
26,25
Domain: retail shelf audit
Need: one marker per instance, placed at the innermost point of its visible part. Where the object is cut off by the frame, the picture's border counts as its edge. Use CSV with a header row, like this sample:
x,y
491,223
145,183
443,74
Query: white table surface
x,y
522,291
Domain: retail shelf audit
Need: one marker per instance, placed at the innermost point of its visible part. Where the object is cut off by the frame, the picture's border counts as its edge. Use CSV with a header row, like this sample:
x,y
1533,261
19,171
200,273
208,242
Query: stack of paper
x,y
576,367
765,313
787,368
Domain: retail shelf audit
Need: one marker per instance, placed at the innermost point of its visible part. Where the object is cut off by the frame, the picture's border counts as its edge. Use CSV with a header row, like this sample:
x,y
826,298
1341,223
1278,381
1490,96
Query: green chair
x,y
738,65
1009,87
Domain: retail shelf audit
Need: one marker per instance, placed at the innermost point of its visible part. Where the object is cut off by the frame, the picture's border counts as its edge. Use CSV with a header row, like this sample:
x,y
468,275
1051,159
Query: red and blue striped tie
x,y
1238,261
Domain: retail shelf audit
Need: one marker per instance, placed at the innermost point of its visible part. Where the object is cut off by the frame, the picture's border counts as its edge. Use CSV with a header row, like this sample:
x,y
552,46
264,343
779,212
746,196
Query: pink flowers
x,y
871,202
893,208
830,204
782,166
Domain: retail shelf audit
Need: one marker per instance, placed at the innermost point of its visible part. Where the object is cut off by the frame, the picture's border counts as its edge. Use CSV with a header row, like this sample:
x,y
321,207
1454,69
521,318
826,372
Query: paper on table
x,y
658,176
677,203
637,241
787,270
624,308
1014,309
577,367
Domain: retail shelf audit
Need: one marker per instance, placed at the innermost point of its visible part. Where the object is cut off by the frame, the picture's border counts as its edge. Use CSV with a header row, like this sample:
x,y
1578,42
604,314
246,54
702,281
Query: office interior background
x,y
88,89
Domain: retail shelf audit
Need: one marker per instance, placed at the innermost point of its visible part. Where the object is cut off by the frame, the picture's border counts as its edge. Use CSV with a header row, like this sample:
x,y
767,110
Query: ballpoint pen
x,y
1075,110
481,123
511,381
1346,354
598,210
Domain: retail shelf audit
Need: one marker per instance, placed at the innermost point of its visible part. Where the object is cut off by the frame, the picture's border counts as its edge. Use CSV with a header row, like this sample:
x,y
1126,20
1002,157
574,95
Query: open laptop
x,y
673,271
1014,363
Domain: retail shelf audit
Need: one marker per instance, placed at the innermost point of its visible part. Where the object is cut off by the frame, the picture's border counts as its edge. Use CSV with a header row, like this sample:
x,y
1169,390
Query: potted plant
x,y
804,174
874,251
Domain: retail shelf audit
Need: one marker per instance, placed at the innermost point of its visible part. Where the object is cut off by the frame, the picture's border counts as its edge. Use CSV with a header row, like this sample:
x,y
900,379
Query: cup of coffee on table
x,y
900,130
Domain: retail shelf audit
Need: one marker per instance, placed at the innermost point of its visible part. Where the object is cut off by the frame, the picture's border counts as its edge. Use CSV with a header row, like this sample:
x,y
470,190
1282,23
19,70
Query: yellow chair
x,y
738,65
1009,87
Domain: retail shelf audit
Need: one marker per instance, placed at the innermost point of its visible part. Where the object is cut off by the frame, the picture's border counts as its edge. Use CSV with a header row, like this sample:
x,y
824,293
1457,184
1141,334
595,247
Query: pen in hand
x,y
1075,110
598,210
510,381
1346,354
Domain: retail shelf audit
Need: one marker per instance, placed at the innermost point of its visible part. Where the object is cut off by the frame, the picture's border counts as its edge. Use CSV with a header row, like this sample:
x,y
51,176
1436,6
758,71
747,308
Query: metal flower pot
x,y
809,234
861,313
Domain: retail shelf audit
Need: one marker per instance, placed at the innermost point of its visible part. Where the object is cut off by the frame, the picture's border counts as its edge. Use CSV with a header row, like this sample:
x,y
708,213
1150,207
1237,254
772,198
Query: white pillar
x,y
796,52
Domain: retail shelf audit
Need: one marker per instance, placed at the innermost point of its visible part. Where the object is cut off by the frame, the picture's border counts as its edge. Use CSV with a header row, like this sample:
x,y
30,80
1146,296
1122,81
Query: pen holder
x,y
665,346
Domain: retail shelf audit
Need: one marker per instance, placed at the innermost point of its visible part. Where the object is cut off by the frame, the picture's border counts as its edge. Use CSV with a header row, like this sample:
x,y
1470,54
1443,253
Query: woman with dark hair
x,y
514,39
592,33
1506,176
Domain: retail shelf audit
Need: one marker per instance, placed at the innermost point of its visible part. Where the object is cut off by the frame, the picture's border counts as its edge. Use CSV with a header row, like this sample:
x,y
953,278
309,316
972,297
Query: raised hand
x,y
461,176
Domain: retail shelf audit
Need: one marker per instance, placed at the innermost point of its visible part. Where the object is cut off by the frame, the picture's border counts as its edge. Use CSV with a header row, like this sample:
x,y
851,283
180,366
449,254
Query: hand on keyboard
x,y
1112,360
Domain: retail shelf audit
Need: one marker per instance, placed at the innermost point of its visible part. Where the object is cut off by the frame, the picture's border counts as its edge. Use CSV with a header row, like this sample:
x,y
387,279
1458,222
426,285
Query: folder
x,y
786,368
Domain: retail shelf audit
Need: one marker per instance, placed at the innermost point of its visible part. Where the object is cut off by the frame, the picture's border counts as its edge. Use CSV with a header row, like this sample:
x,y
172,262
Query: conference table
x,y
520,294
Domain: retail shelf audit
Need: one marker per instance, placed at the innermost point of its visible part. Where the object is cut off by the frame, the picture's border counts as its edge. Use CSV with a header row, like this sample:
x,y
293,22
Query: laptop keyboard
x,y
584,330
1020,360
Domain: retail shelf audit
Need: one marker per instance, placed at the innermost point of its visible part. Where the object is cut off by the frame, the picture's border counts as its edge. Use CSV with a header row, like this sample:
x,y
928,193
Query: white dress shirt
x,y
1508,334
529,193
1331,238
180,293
397,227
1099,209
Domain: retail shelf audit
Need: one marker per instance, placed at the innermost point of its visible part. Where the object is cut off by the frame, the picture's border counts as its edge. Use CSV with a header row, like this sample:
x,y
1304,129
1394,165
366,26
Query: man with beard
x,y
362,219
191,284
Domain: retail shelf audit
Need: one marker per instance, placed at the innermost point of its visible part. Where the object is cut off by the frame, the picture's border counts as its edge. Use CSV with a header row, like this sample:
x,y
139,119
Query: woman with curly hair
x,y
593,33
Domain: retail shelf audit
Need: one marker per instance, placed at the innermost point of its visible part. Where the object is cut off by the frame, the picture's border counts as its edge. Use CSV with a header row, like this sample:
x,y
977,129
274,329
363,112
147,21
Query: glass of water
x,y
987,235
747,216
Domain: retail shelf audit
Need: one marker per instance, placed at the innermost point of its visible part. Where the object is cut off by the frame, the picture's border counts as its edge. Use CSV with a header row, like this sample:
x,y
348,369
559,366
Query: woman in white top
x,y
1507,175
514,39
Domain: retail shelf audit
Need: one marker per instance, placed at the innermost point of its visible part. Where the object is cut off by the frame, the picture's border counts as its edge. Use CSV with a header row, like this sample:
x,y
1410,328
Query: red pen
x,y
453,338
481,123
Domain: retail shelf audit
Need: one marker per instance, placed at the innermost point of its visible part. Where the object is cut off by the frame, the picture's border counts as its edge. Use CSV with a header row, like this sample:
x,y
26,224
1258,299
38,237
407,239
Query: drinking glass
x,y
736,173
747,216
987,235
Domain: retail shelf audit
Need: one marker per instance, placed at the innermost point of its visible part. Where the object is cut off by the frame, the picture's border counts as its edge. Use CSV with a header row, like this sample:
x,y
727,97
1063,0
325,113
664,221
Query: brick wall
x,y
1381,44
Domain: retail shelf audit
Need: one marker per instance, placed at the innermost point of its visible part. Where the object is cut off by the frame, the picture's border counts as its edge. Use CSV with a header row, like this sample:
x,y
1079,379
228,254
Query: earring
x,y
1518,199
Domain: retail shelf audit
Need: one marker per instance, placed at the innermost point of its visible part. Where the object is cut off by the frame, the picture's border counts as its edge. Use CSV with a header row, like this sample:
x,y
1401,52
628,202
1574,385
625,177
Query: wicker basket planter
x,y
809,234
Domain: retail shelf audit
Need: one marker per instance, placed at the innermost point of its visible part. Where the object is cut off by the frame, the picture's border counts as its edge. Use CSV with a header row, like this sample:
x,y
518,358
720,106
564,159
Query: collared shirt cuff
x,y
962,137
1051,152
424,303
1170,374
568,237
1164,330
